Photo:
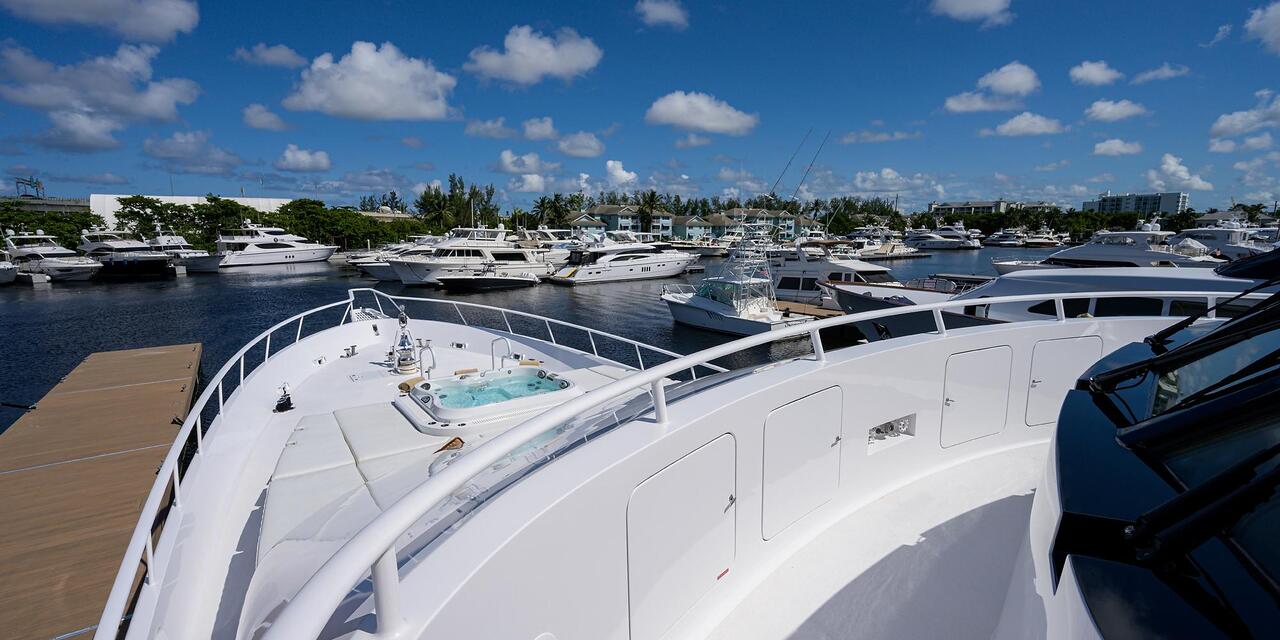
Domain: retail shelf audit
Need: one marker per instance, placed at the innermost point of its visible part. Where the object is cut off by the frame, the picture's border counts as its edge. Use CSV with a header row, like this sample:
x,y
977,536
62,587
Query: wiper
x,y
1193,516
1159,339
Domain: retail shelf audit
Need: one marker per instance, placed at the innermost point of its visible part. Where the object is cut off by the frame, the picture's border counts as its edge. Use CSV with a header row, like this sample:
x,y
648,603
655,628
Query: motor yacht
x,y
619,261
255,244
557,243
956,483
40,253
1143,248
363,255
487,279
183,254
375,265
8,271
1230,241
460,256
1006,238
798,270
122,255
943,238
739,301
1043,239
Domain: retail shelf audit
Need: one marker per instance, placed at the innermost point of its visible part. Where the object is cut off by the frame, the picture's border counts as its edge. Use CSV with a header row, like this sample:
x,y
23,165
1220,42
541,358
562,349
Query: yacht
x,y
1043,239
618,261
1230,241
8,271
488,278
375,265
123,255
40,253
460,256
798,270
1006,238
944,238
258,245
739,301
1143,248
556,242
183,254
364,255
1013,480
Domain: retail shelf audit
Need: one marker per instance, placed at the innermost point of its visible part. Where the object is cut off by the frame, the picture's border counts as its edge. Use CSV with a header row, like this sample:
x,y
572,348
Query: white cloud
x,y
1266,114
871,136
274,56
887,180
1027,124
373,83
992,13
1258,142
973,101
191,152
540,129
1102,177
418,188
616,175
1114,110
368,181
1116,147
1095,73
582,144
413,142
295,159
691,140
495,128
528,56
1052,166
1264,25
1173,173
1162,72
669,13
260,117
700,112
1221,145
509,162
528,183
87,102
1219,36
145,20
1013,79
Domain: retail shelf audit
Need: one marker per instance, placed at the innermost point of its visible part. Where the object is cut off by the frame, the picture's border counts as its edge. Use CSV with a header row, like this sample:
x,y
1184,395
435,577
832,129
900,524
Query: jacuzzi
x,y
490,394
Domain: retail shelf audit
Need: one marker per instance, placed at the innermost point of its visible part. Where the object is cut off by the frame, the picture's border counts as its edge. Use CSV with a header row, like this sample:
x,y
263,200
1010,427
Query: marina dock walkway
x,y
74,474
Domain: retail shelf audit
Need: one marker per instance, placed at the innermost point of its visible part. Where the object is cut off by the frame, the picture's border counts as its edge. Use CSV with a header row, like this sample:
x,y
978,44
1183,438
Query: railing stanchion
x,y
298,336
345,312
150,557
659,402
378,301
177,490
639,357
1060,309
241,369
937,319
386,594
591,335
1211,302
551,334
460,316
199,433
819,353
220,399
267,354
507,322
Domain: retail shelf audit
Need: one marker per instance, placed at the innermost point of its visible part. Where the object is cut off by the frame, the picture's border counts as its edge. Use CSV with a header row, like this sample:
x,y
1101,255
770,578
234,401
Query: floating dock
x,y
74,474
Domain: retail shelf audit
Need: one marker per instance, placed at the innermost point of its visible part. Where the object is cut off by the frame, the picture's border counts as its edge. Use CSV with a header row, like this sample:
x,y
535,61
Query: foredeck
x,y
73,476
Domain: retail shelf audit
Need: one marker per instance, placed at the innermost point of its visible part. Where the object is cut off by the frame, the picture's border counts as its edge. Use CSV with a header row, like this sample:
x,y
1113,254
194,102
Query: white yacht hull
x,y
8,273
695,316
60,270
415,272
380,271
200,264
291,255
661,266
943,244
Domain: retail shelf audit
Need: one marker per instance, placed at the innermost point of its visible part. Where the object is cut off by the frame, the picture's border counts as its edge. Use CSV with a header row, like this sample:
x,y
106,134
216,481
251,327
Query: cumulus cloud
x,y
1173,173
302,160
1102,177
582,144
144,20
528,56
1052,166
1221,145
992,13
1264,25
373,83
1114,110
1014,79
419,187
616,175
413,142
87,102
1265,114
1026,124
663,13
700,112
260,117
1162,72
528,183
540,129
372,180
1219,36
1258,142
495,128
973,101
277,55
1095,73
509,162
887,179
872,136
691,140
191,152
1116,147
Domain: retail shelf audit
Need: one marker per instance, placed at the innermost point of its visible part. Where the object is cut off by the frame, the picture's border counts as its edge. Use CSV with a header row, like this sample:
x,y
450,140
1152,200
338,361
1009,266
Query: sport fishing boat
x,y
739,301
1146,247
8,271
258,245
40,253
619,261
183,254
797,271
122,255
953,483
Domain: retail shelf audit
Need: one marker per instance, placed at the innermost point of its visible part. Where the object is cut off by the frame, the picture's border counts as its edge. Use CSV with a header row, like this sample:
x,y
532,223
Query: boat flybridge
x,y
183,254
1145,247
379,476
40,253
122,254
738,301
258,245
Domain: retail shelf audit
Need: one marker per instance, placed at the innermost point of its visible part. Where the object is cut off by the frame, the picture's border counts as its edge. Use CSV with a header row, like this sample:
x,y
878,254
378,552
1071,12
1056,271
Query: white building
x,y
106,204
1141,203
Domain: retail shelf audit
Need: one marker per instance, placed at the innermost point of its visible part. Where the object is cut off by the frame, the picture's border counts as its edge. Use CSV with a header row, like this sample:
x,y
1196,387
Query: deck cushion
x,y
377,430
316,444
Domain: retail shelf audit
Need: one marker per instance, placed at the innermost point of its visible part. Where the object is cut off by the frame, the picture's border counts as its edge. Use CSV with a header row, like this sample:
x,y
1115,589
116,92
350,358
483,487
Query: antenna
x,y
789,161
810,167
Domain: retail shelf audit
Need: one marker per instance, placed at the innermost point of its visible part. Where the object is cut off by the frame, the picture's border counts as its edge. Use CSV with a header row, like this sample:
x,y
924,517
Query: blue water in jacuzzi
x,y
462,395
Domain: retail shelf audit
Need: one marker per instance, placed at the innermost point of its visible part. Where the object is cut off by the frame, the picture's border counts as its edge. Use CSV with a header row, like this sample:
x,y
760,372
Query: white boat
x,y
459,256
40,253
1231,240
183,254
739,301
619,261
1146,247
487,279
557,243
375,265
798,270
1006,238
1041,240
8,271
258,245
947,237
957,483
123,255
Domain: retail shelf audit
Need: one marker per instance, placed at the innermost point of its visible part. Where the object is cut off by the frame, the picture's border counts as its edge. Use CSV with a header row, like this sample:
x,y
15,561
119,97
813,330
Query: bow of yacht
x,y
490,474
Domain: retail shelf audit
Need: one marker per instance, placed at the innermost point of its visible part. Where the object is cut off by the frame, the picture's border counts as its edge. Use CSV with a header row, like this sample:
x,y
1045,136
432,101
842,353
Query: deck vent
x,y
883,436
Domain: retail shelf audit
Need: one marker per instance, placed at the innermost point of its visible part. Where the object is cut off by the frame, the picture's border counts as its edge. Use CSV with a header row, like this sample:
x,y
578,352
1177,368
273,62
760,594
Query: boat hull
x,y
277,256
127,267
200,264
422,272
590,274
854,301
485,283
8,273
380,271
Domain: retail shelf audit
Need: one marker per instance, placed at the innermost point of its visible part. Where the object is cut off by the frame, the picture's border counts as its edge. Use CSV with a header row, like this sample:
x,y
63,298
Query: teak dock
x,y
74,474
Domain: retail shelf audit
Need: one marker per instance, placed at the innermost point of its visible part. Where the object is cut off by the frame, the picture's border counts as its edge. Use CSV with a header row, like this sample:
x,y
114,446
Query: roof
x,y
585,221
719,220
690,221
743,212
622,209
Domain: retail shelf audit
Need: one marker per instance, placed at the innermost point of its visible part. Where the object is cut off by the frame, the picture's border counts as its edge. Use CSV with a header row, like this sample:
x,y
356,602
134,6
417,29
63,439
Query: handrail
x,y
302,616
141,549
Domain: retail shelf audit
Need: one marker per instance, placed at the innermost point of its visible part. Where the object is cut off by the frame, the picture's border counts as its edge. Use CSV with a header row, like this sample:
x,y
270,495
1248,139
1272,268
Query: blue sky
x,y
924,99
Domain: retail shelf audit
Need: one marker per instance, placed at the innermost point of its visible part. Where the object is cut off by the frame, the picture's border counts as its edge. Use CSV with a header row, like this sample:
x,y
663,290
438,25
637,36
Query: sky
x,y
922,100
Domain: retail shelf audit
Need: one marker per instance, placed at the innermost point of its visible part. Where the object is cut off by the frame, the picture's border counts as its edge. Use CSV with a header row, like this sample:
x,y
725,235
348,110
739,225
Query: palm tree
x,y
542,208
648,202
